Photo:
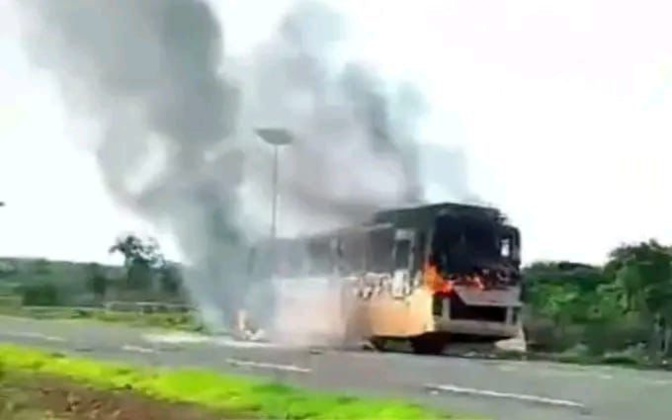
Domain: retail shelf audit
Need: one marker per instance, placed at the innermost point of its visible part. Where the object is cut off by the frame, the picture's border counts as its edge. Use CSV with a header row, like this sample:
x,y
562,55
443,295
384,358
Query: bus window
x,y
510,244
402,254
506,247
319,255
353,257
380,249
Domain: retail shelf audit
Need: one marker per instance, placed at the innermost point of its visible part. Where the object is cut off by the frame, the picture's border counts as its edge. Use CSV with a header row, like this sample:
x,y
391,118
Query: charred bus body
x,y
430,274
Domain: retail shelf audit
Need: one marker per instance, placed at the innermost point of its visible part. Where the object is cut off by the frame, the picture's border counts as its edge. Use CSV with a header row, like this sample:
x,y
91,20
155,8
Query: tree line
x,y
146,274
623,306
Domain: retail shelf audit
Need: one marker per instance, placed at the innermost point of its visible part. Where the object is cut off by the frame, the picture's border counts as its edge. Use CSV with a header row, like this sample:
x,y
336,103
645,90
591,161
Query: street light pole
x,y
274,205
276,137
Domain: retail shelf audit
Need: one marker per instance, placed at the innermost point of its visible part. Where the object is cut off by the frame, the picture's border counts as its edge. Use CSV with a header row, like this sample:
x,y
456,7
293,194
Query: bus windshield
x,y
464,246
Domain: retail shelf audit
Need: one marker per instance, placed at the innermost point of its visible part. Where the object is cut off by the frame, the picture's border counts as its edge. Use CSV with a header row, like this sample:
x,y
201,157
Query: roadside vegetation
x,y
617,313
145,276
138,315
145,291
39,385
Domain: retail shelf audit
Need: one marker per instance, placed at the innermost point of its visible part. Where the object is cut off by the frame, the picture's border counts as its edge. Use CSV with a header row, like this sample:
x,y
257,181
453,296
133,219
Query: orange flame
x,y
438,284
435,282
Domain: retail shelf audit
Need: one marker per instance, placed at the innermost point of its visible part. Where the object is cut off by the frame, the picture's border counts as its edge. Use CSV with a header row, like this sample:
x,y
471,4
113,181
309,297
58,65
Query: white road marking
x,y
176,338
34,335
182,338
554,372
661,382
263,365
567,373
231,342
505,395
138,349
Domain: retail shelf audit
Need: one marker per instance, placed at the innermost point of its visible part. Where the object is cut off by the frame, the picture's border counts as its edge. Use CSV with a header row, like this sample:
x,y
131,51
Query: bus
x,y
427,275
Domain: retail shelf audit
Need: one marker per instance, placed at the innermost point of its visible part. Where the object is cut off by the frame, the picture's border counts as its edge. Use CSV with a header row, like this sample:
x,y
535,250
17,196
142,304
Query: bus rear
x,y
459,269
474,270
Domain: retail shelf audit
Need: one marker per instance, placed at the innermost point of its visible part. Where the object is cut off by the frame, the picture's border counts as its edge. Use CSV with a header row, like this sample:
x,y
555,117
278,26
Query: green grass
x,y
226,392
182,322
172,321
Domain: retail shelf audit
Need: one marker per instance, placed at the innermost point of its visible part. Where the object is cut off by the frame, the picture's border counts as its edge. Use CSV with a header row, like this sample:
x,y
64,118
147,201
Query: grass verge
x,y
248,397
171,321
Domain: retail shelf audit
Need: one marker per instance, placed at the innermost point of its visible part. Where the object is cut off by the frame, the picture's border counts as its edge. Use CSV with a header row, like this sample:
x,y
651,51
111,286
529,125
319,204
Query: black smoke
x,y
175,142
356,148
149,73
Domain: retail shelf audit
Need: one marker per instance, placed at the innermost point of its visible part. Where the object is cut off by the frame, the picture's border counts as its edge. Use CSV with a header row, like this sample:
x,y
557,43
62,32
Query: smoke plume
x,y
354,149
149,73
176,123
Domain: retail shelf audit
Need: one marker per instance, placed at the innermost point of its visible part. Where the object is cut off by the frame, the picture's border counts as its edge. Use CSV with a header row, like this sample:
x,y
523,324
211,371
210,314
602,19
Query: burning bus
x,y
428,275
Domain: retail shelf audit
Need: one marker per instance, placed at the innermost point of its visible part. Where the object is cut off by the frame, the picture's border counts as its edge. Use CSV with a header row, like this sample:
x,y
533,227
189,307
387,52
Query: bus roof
x,y
415,215
408,217
362,229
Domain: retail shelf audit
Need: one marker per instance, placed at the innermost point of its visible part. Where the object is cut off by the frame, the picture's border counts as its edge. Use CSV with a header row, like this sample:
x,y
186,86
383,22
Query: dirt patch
x,y
44,397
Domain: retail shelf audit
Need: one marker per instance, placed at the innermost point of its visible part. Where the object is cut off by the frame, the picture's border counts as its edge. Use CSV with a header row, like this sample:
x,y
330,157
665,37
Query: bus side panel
x,y
378,311
383,315
390,317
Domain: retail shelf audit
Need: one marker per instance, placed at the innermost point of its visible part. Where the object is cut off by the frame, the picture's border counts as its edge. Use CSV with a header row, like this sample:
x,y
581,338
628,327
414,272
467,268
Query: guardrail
x,y
147,307
121,307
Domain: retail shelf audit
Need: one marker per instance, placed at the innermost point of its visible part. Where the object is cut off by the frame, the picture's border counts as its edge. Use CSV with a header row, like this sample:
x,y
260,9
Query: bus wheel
x,y
428,344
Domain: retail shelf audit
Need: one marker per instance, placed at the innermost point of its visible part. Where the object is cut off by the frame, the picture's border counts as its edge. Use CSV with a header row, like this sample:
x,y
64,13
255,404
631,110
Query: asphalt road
x,y
495,389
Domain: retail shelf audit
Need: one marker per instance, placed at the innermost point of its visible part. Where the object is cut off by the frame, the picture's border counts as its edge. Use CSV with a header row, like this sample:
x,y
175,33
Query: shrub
x,y
42,294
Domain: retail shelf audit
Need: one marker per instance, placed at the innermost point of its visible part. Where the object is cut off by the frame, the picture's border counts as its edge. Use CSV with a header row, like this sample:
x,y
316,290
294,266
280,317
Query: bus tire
x,y
428,344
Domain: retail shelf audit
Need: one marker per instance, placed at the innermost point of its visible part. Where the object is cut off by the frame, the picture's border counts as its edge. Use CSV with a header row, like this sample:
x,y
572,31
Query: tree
x,y
7,269
42,267
41,294
646,275
625,304
171,279
586,277
135,249
142,258
97,281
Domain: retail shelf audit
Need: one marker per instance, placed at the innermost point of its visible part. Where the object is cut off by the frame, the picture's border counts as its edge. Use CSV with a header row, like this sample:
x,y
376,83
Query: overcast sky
x,y
562,108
